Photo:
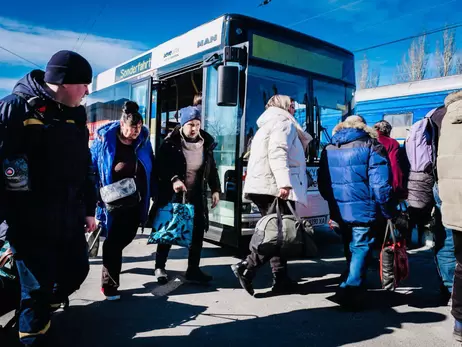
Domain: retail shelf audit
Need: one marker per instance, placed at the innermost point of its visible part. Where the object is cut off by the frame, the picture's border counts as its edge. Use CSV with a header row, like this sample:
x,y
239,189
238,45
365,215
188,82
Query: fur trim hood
x,y
451,98
355,123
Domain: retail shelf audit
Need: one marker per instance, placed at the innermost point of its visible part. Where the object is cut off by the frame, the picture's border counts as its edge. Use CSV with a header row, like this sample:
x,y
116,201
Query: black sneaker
x,y
59,304
161,275
244,276
111,294
349,298
283,284
197,276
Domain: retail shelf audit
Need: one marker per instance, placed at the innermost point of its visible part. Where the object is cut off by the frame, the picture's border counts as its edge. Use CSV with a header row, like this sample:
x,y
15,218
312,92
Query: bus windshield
x,y
264,83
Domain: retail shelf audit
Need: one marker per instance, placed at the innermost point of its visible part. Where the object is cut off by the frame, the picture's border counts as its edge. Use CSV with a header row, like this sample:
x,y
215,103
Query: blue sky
x,y
126,28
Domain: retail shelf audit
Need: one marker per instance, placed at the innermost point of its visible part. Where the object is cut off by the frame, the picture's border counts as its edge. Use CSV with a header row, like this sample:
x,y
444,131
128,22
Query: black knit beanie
x,y
67,67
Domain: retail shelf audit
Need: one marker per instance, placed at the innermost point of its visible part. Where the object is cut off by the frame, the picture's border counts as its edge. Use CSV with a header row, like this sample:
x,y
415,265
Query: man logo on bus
x,y
207,41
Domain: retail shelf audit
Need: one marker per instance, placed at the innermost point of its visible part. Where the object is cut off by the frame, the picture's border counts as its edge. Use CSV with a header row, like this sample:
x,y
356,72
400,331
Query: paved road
x,y
224,315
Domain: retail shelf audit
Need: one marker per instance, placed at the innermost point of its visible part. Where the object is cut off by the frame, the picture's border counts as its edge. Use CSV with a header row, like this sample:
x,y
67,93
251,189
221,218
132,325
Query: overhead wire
x,y
324,13
19,56
434,31
92,25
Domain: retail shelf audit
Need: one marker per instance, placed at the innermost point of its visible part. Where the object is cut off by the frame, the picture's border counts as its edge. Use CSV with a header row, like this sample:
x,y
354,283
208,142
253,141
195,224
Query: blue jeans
x,y
444,246
360,241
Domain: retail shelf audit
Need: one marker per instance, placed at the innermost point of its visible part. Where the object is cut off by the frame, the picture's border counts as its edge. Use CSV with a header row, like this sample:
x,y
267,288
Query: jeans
x,y
444,246
358,242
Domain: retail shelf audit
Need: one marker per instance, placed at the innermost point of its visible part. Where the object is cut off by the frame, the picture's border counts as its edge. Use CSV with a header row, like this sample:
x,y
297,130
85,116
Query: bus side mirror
x,y
228,85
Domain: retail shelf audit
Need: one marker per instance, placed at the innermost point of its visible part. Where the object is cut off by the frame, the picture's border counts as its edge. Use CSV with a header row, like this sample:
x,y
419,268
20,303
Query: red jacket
x,y
392,148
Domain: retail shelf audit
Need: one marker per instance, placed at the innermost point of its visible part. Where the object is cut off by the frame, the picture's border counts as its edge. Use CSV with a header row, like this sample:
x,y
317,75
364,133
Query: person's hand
x,y
215,199
179,186
284,193
90,224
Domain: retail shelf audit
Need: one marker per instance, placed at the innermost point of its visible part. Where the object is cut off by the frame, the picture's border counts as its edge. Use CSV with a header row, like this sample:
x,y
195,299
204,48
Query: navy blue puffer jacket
x,y
354,175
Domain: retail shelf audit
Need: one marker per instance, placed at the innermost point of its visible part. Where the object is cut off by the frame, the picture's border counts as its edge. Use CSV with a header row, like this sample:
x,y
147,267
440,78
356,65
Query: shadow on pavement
x,y
121,323
105,323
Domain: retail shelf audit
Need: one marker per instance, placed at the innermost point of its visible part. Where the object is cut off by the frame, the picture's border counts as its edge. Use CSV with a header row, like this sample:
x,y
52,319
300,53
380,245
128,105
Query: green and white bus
x,y
238,63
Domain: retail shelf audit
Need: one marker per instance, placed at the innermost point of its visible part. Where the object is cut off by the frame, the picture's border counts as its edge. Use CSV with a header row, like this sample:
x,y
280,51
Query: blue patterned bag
x,y
6,262
173,225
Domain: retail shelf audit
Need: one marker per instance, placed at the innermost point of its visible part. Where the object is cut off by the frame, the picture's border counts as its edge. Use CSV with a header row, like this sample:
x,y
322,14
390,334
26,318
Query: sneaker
x,y
458,331
55,306
161,275
197,276
244,276
445,296
349,298
283,284
429,240
111,294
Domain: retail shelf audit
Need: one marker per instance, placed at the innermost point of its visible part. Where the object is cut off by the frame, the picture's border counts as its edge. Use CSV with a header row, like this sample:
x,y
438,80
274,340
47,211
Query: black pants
x,y
121,233
254,259
195,249
422,218
457,288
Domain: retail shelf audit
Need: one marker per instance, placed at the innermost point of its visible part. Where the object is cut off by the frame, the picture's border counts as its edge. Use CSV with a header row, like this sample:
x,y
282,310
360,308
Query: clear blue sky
x,y
126,28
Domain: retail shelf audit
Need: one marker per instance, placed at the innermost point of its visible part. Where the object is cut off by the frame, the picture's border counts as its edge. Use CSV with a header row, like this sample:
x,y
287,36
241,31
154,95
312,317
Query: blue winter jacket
x,y
103,154
355,177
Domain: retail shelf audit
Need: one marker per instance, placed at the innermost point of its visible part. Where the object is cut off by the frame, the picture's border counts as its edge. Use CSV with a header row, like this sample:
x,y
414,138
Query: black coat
x,y
172,163
54,139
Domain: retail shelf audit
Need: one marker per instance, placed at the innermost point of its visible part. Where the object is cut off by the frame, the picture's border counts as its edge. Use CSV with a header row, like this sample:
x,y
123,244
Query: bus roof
x,y
411,88
197,40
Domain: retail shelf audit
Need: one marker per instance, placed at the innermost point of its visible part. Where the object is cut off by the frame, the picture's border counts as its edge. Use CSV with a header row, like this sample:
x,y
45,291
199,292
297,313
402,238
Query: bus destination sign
x,y
133,67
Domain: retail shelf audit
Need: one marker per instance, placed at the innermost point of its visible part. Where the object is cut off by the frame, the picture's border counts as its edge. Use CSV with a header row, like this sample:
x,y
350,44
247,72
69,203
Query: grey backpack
x,y
285,235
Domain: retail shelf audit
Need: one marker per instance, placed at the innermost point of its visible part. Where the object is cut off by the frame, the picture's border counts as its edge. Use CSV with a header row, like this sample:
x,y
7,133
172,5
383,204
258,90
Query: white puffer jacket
x,y
277,157
450,163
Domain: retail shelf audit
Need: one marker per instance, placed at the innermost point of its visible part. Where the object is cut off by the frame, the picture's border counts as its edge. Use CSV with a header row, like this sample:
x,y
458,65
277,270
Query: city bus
x,y
237,63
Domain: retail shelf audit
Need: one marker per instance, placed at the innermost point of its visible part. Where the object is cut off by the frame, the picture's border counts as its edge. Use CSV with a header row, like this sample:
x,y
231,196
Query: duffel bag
x,y
282,234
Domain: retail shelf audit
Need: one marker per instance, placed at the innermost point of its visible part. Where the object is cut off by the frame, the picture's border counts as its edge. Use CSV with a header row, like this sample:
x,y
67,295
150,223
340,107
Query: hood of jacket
x,y
453,103
351,130
32,84
452,98
271,115
275,114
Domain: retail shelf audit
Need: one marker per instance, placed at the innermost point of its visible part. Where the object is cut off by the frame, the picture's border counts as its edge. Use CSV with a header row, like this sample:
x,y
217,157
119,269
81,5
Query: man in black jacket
x,y
47,194
187,166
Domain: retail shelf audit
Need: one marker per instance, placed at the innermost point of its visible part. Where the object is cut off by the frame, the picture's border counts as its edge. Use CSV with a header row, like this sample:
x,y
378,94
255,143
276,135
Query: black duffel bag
x,y
285,235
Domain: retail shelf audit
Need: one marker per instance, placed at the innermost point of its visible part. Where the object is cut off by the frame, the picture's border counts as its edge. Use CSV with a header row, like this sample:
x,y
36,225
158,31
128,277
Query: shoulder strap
x,y
35,103
391,230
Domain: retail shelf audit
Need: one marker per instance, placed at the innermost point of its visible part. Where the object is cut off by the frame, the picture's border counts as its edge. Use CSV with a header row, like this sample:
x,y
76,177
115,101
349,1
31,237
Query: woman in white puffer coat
x,y
276,169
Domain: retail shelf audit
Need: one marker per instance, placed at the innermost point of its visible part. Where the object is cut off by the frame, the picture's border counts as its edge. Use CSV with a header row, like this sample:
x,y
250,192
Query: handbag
x,y
173,224
394,264
283,234
122,194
